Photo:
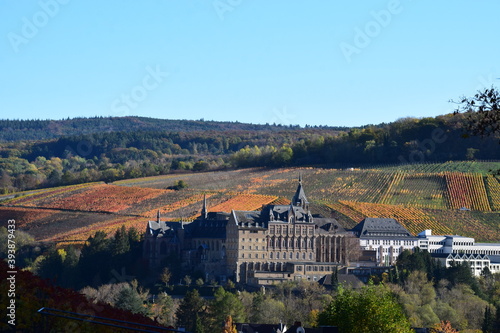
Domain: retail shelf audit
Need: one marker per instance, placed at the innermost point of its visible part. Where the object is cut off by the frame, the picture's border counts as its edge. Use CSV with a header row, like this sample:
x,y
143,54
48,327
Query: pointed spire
x,y
204,211
158,216
299,199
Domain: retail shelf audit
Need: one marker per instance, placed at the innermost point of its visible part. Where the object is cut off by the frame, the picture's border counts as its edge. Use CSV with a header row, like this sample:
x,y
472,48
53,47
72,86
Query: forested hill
x,y
17,130
142,147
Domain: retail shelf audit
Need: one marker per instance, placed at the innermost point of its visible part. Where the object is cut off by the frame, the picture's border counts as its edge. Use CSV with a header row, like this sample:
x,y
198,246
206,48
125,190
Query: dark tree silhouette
x,y
482,112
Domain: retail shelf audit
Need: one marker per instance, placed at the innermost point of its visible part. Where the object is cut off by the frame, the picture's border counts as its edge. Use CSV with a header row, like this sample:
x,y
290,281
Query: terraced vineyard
x,y
428,196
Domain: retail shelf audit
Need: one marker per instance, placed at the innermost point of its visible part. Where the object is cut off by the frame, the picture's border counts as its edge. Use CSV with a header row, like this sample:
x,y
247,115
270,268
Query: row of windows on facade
x,y
478,264
469,251
437,243
388,250
316,268
390,242
443,242
291,230
250,231
276,255
463,243
291,243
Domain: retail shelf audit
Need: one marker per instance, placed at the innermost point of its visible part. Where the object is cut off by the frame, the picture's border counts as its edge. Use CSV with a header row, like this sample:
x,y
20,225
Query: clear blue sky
x,y
339,63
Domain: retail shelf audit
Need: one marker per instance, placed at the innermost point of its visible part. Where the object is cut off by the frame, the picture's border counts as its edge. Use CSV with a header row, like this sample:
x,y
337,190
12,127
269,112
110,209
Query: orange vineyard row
x,y
493,191
244,202
467,190
105,198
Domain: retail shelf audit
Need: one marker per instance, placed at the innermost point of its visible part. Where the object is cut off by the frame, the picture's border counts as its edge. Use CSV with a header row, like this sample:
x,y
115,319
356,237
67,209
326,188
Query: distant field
x,y
451,198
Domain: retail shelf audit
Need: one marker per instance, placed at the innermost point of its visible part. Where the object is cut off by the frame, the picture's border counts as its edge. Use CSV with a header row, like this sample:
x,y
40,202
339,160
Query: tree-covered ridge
x,y
36,129
113,155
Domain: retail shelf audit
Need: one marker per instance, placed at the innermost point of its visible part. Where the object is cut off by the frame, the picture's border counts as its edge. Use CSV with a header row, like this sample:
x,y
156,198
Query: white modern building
x,y
386,237
452,248
455,244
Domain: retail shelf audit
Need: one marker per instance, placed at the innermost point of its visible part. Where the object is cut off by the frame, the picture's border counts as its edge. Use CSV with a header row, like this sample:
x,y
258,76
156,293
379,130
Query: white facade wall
x,y
455,244
461,245
388,250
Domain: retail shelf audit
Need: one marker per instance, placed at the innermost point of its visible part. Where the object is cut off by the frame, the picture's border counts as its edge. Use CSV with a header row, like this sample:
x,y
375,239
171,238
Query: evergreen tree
x,y
121,242
225,304
52,266
198,327
191,307
94,257
488,321
129,299
70,274
335,279
496,323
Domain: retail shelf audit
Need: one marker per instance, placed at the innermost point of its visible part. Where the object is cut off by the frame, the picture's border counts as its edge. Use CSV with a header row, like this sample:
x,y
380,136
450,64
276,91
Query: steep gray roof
x,y
162,228
300,195
372,227
255,219
208,228
328,226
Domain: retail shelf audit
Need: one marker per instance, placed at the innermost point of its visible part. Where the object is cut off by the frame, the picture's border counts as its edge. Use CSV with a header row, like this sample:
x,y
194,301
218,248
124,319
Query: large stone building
x,y
279,242
288,242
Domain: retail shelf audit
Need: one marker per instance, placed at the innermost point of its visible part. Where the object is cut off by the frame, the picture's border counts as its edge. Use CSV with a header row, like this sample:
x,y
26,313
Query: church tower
x,y
299,199
204,211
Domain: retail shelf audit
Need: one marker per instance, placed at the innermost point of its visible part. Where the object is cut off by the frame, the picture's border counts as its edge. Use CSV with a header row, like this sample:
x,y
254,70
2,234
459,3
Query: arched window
x,y
271,255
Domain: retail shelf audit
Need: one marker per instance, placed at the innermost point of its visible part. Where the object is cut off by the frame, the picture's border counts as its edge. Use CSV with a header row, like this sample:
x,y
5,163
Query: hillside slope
x,y
420,199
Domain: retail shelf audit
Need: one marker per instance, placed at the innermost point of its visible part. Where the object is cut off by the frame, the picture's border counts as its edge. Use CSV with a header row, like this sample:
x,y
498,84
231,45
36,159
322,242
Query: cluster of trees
x,y
32,293
101,260
430,293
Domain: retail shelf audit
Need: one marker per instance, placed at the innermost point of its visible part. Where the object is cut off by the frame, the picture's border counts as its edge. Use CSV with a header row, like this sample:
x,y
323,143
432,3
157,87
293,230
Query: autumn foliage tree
x,y
229,327
372,309
443,327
